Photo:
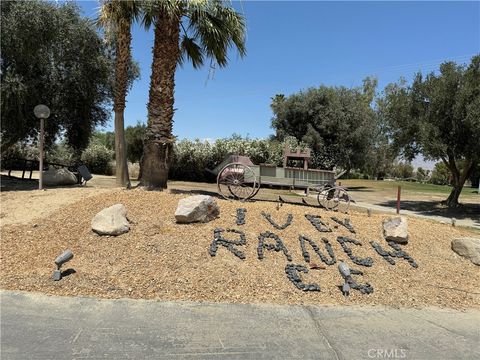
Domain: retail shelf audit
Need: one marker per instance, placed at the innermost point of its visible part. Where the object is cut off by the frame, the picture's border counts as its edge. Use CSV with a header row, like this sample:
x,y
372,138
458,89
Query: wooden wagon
x,y
239,178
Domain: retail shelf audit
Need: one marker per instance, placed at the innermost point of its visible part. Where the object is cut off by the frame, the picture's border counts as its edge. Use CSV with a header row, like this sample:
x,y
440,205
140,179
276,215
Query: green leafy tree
x,y
440,174
134,136
378,160
337,123
438,116
379,157
402,170
421,174
107,139
183,31
117,16
475,176
51,55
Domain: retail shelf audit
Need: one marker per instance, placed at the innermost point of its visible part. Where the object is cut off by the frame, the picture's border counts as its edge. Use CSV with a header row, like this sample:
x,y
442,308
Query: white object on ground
x,y
467,247
111,221
197,208
396,229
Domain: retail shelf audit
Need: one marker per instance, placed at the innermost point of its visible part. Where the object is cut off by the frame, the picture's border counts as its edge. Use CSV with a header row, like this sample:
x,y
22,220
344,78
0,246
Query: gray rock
x,y
56,177
396,230
197,208
344,269
111,221
468,248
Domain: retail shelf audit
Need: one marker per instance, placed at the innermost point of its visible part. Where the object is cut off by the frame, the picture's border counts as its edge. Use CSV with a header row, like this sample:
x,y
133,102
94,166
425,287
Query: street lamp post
x,y
42,112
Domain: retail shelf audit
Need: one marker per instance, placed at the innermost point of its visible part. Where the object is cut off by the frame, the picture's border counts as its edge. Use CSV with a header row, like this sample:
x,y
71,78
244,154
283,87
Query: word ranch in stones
x,y
234,239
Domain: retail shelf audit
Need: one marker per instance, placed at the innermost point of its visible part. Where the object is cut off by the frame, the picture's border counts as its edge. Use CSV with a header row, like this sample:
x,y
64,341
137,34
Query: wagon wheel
x,y
237,181
256,190
334,198
321,191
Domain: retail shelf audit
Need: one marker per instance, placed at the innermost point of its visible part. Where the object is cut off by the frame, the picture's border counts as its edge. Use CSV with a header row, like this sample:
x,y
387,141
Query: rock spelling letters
x,y
303,239
279,245
218,239
292,272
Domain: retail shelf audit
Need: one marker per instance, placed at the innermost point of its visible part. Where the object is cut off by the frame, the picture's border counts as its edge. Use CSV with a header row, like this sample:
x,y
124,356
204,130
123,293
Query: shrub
x,y
21,150
97,158
61,153
192,158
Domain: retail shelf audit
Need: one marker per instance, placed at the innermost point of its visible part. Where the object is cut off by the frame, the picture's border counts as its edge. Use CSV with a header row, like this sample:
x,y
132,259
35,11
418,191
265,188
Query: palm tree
x,y
184,30
117,16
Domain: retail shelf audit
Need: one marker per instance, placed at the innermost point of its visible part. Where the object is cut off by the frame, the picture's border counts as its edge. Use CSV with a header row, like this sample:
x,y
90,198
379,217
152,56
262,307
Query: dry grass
x,y
159,259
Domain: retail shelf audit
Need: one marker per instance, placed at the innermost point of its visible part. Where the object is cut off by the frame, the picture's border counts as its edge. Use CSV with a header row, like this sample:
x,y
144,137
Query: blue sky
x,y
296,45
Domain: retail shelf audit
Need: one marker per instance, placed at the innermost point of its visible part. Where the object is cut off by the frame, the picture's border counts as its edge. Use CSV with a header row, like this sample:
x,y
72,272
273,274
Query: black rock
x,y
274,224
241,216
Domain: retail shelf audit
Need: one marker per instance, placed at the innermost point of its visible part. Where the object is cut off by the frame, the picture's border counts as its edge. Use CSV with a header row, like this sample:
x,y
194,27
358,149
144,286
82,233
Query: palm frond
x,y
218,28
213,29
152,9
113,11
190,50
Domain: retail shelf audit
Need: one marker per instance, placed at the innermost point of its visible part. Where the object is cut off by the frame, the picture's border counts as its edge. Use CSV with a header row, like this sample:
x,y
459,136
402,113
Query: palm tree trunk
x,y
121,165
124,39
158,142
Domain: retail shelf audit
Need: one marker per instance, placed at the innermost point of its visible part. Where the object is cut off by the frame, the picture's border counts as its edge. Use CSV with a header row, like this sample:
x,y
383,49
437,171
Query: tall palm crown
x,y
208,28
184,31
116,17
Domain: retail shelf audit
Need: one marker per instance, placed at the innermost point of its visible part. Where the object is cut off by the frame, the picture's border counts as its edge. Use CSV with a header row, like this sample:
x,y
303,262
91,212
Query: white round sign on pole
x,y
41,111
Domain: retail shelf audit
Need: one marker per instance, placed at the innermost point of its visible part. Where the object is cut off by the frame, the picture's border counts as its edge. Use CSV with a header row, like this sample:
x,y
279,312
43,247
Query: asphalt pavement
x,y
35,326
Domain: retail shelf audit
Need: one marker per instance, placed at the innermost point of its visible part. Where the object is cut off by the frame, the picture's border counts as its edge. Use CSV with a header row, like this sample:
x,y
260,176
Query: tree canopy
x,y
51,55
438,116
337,123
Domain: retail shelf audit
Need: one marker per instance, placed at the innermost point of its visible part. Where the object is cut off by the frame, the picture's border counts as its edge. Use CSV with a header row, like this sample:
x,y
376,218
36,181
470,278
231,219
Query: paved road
x,y
36,326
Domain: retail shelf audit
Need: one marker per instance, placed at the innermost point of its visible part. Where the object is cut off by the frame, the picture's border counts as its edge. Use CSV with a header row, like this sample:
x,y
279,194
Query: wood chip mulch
x,y
159,259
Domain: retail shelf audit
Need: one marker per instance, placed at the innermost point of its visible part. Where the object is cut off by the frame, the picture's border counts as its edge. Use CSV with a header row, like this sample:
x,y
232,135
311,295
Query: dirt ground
x,y
22,202
159,259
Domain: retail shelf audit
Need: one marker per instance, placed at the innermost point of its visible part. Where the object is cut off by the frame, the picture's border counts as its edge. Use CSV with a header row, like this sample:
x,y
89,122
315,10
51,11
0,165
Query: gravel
x,y
159,259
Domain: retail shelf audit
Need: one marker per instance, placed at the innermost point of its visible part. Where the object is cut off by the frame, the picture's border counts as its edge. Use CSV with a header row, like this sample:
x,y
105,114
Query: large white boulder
x,y
111,221
56,177
197,208
396,229
468,248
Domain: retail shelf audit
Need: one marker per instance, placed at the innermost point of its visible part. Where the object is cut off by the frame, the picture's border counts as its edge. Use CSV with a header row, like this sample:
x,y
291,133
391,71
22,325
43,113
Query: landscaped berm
x,y
160,259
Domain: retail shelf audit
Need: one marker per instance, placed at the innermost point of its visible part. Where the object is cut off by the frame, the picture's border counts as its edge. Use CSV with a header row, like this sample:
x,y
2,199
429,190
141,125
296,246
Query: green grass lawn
x,y
411,187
